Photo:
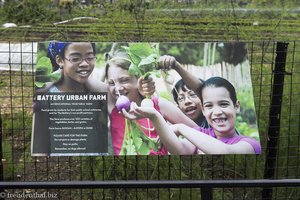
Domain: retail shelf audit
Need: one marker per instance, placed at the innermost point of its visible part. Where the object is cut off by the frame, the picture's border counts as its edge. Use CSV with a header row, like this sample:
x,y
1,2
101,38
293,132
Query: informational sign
x,y
68,124
71,123
93,99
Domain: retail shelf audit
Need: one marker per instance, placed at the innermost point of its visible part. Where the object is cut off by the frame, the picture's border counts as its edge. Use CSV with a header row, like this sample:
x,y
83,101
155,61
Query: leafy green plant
x,y
246,129
247,105
143,58
44,72
135,142
246,120
31,11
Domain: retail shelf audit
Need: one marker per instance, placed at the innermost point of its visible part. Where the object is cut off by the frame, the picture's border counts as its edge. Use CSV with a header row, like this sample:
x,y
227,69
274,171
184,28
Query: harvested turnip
x,y
123,102
147,103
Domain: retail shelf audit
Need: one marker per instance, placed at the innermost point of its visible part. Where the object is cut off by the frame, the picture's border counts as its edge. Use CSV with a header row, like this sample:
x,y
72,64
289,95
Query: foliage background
x,y
141,20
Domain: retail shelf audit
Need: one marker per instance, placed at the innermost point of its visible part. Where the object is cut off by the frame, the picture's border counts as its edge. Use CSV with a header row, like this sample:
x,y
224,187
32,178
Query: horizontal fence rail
x,y
152,184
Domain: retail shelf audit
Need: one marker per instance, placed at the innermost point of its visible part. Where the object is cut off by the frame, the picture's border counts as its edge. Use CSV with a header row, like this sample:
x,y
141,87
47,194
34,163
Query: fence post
x,y
206,193
1,163
274,116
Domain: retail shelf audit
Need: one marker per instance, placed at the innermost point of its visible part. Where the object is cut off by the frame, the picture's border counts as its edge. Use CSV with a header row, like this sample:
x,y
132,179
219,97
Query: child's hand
x,y
146,87
167,62
137,112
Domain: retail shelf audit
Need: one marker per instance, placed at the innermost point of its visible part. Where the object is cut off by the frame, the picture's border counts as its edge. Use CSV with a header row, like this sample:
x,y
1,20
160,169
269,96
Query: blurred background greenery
x,y
149,20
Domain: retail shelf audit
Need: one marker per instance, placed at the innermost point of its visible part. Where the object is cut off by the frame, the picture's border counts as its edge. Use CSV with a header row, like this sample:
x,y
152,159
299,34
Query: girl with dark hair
x,y
219,106
189,103
76,62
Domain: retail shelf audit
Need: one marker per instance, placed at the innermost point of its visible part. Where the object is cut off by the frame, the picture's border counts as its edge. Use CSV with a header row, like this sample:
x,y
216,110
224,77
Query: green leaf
x,y
131,150
141,50
144,149
156,73
134,58
143,58
44,72
137,141
133,70
152,145
44,62
39,84
123,151
151,59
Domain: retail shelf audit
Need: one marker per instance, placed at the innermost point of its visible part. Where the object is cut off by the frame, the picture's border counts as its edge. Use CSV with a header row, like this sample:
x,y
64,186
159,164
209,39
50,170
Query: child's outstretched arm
x,y
210,145
173,114
169,62
173,144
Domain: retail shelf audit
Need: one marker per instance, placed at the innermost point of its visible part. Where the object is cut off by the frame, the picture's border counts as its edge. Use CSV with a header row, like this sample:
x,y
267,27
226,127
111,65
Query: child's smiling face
x,y
189,104
219,110
120,82
76,70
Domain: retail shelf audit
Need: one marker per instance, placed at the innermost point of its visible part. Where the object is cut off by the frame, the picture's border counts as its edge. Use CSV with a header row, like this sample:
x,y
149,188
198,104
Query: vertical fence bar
x,y
206,193
275,110
1,163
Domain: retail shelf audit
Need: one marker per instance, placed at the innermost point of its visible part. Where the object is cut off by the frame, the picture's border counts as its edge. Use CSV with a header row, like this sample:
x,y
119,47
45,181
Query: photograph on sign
x,y
107,98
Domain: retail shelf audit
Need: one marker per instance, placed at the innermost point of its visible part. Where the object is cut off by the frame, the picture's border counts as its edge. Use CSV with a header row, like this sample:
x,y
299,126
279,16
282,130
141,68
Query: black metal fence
x,y
272,175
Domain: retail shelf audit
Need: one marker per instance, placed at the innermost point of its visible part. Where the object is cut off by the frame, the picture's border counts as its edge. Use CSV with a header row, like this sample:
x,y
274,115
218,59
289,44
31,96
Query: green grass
x,y
115,24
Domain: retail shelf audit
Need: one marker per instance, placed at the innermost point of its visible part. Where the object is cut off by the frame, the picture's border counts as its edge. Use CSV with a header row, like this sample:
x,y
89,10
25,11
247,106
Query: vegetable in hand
x,y
123,102
147,103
